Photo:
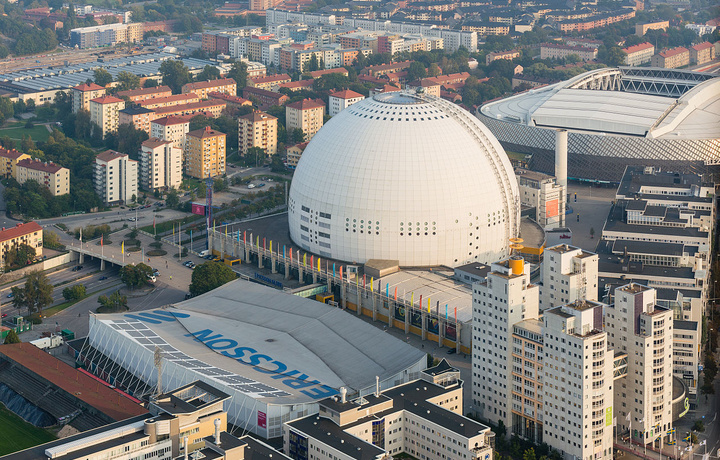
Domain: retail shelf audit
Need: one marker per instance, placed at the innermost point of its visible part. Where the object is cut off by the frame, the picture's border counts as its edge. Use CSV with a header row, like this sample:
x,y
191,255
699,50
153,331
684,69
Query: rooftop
x,y
48,167
270,78
169,99
143,91
19,230
673,52
346,94
305,104
109,155
210,83
74,382
154,142
88,87
171,120
258,115
11,153
106,100
135,110
192,106
205,132
190,398
638,47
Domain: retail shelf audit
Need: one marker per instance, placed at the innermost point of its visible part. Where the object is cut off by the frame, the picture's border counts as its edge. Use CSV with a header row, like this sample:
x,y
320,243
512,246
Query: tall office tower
x,y
639,327
506,297
568,274
577,382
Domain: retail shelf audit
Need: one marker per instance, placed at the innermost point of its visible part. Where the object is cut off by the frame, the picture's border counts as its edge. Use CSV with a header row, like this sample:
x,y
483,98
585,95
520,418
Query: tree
x,y
172,199
20,255
416,71
238,72
210,275
102,77
76,292
12,337
592,232
150,83
36,295
297,136
51,240
529,454
175,74
312,64
128,81
254,156
130,139
698,426
113,303
135,275
209,72
433,70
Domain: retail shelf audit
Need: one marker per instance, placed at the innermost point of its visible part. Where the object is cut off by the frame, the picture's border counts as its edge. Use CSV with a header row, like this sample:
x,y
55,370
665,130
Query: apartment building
x,y
577,381
257,129
173,129
139,117
9,160
161,165
105,112
54,177
205,153
505,298
212,108
487,28
702,53
233,101
307,115
136,95
639,54
672,58
642,330
29,233
553,51
169,101
116,177
83,94
568,274
341,100
641,29
293,154
541,192
422,418
264,99
202,88
270,83
509,55
106,35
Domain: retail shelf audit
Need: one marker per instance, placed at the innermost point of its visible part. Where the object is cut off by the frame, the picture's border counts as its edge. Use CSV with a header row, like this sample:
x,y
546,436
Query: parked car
x,y
10,296
103,278
77,268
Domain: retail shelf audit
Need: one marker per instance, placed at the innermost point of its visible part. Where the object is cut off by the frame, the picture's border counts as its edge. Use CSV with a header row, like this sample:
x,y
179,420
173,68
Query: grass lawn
x,y
17,434
38,133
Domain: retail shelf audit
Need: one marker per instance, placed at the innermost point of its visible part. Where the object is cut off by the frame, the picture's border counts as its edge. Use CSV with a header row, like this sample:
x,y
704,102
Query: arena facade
x,y
274,353
615,117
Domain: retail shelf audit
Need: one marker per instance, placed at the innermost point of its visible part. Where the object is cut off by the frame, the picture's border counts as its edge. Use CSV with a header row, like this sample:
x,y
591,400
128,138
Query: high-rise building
x,y
542,192
205,153
257,129
306,115
568,274
83,94
339,101
637,326
527,375
173,129
577,381
504,299
160,165
54,177
139,117
104,111
116,177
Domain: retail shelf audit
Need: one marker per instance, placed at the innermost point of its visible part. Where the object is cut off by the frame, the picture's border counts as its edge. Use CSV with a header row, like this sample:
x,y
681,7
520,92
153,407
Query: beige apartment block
x,y
104,111
205,153
55,178
257,129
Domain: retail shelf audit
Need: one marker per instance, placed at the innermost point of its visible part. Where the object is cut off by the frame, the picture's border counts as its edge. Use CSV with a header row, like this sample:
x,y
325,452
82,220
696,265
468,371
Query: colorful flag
x,y
305,259
153,223
101,240
372,284
420,304
122,247
395,293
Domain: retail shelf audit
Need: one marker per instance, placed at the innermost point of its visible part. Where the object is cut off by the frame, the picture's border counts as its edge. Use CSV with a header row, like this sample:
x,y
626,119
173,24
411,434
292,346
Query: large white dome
x,y
408,177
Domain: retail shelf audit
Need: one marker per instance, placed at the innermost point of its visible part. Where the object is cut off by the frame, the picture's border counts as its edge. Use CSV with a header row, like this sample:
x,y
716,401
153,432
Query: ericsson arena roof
x,y
645,102
404,176
244,338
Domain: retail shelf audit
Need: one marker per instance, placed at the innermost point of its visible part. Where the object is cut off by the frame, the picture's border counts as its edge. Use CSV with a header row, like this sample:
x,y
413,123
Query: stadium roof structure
x,y
626,101
264,343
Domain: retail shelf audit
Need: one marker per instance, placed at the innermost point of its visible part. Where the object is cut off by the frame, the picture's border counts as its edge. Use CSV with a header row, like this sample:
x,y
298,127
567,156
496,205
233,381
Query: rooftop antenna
x,y
157,358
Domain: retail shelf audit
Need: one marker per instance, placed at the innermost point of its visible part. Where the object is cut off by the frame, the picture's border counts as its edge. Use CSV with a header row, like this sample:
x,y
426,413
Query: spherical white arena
x,y
407,177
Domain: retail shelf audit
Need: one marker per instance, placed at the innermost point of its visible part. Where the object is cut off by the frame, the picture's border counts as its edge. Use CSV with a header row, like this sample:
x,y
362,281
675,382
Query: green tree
x,y
128,81
175,74
255,156
135,275
529,454
74,292
297,136
172,199
150,83
35,295
210,275
209,72
433,70
416,71
698,426
12,337
312,64
238,72
51,240
102,77
130,139
20,255
115,302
